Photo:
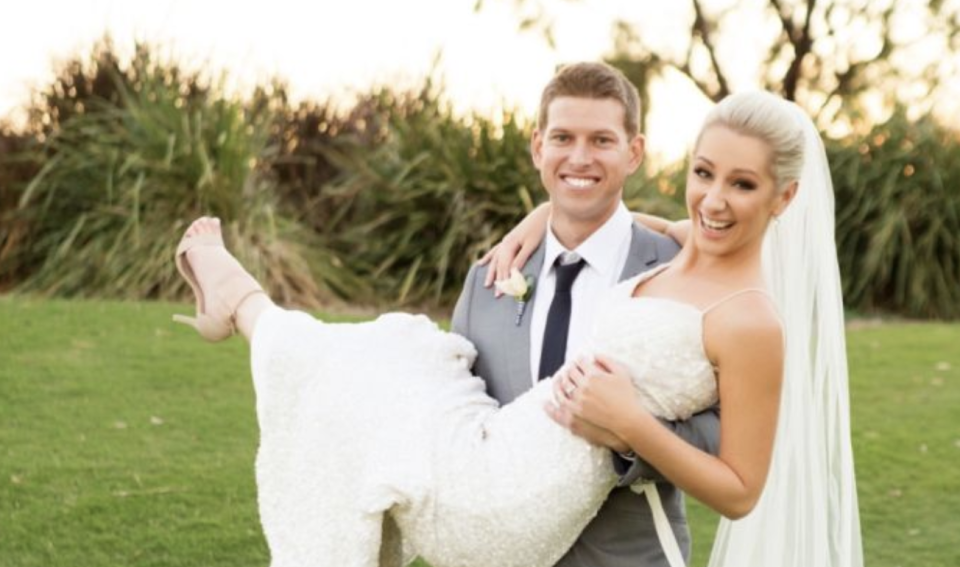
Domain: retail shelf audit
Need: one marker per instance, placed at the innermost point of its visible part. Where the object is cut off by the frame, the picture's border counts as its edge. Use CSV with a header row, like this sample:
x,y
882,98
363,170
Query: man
x,y
585,146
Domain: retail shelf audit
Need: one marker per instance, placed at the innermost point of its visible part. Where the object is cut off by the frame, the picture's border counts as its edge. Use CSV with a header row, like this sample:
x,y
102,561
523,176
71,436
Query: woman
x,y
372,429
808,512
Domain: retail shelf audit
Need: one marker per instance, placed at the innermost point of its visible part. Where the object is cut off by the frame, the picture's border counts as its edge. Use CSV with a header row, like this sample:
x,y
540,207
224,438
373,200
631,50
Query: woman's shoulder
x,y
745,335
748,316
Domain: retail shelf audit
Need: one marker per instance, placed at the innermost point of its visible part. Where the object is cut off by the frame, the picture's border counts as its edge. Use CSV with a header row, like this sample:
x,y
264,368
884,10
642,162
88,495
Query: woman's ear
x,y
785,197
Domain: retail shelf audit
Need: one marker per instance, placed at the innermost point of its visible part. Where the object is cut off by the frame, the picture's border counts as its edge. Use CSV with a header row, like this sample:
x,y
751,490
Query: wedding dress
x,y
378,445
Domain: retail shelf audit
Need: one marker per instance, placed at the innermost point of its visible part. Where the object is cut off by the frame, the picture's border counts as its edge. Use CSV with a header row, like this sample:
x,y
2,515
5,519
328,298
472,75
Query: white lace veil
x,y
807,515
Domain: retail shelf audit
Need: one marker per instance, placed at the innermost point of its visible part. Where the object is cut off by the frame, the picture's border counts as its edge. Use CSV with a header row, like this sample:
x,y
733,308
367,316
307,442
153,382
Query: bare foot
x,y
210,264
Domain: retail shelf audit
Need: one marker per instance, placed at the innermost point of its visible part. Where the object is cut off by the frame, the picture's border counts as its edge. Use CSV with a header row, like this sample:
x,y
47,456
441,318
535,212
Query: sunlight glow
x,y
331,49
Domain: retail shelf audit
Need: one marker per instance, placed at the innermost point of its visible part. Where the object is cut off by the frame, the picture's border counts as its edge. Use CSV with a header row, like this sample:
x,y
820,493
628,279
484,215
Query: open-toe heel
x,y
216,313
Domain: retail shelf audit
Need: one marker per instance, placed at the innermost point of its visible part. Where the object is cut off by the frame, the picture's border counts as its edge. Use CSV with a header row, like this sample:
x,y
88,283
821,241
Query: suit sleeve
x,y
702,431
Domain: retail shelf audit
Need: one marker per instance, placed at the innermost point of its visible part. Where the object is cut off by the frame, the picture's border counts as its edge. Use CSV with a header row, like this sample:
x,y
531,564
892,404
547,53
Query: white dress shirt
x,y
605,252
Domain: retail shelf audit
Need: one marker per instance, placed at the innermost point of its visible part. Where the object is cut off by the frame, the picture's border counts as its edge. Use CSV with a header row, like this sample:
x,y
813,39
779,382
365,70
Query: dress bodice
x,y
660,341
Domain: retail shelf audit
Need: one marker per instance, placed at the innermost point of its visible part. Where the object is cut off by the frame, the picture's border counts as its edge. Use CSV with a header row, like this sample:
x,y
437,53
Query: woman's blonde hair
x,y
769,118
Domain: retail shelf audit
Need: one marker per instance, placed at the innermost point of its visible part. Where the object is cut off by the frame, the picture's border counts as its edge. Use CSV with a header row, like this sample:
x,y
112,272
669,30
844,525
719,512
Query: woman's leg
x,y
228,297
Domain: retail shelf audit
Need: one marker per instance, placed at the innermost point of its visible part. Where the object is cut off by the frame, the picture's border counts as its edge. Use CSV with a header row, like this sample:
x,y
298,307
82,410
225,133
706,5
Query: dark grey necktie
x,y
558,319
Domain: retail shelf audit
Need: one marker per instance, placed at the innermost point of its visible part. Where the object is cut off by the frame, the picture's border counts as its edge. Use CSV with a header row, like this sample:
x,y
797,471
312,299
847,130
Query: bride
x,y
378,445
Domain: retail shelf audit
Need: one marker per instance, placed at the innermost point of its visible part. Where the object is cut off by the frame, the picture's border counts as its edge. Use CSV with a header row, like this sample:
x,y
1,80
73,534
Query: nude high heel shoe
x,y
216,313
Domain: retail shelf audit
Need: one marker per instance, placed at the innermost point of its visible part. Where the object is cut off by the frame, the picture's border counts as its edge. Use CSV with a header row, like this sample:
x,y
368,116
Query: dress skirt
x,y
378,445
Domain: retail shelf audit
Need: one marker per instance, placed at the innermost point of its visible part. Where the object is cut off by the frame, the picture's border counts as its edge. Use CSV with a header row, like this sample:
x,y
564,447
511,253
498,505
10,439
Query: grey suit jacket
x,y
622,534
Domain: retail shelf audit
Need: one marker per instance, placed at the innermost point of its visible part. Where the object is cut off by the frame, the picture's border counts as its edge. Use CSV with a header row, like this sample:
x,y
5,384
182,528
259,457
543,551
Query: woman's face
x,y
731,192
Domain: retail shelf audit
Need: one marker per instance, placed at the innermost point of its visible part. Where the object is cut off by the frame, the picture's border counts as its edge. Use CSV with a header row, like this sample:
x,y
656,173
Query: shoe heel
x,y
186,320
209,328
215,315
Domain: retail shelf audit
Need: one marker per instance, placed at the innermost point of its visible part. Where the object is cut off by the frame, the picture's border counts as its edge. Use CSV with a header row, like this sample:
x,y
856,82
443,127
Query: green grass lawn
x,y
127,441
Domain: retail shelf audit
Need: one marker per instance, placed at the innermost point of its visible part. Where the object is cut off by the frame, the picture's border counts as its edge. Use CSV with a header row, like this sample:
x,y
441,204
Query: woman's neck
x,y
739,269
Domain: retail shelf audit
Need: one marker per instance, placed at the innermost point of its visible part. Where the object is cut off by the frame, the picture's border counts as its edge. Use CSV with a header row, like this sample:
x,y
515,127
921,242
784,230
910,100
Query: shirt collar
x,y
600,250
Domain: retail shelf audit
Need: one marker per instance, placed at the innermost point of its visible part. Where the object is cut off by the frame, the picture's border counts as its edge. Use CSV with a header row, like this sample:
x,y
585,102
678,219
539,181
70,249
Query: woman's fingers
x,y
558,414
485,259
566,381
523,254
609,365
505,260
499,260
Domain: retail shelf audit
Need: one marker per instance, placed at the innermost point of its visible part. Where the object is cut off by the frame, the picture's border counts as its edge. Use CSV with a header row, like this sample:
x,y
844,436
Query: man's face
x,y
584,156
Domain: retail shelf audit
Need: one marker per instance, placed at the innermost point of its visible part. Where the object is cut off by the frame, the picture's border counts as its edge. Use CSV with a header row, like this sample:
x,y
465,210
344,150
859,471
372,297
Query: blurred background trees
x,y
386,202
834,57
876,76
389,200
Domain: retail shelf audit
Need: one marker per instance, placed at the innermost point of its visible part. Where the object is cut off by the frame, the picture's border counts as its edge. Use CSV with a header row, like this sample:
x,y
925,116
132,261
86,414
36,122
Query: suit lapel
x,y
642,255
517,339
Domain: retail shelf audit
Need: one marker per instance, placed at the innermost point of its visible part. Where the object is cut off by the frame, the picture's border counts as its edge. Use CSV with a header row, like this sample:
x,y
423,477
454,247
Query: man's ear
x,y
638,148
536,147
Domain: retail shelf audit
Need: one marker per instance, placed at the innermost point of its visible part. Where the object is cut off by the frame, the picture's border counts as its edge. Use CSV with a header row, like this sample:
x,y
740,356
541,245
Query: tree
x,y
816,52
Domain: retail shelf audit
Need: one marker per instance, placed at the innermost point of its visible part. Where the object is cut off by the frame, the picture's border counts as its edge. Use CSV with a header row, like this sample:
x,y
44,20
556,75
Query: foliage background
x,y
384,203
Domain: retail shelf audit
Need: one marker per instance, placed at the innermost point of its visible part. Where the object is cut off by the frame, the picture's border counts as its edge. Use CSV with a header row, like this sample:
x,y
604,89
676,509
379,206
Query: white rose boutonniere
x,y
519,287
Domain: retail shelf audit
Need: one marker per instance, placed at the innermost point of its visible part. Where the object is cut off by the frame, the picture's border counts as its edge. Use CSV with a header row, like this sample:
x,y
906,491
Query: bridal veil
x,y
808,512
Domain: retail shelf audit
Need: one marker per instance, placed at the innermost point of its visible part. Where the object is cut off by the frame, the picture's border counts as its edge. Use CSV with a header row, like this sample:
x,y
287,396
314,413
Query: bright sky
x,y
328,47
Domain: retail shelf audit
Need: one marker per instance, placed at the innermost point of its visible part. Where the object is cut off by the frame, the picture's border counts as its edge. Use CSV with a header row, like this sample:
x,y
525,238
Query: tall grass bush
x,y
898,217
425,191
120,175
17,165
386,202
409,213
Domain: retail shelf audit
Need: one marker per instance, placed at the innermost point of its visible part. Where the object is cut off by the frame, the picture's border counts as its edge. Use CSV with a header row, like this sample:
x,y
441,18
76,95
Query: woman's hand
x,y
600,391
594,399
517,246
583,429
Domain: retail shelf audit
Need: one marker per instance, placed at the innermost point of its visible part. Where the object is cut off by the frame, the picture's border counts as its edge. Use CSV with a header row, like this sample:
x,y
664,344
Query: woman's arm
x,y
676,230
518,244
749,352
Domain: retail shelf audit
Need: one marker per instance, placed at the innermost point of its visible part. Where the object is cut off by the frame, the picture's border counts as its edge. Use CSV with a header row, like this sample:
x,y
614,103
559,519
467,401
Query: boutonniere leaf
x,y
520,288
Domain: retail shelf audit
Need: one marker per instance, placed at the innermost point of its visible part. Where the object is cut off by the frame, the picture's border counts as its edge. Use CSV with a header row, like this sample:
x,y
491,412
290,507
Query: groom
x,y
585,146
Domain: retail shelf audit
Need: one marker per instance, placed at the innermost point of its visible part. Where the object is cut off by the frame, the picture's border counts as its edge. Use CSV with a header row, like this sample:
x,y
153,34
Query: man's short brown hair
x,y
595,81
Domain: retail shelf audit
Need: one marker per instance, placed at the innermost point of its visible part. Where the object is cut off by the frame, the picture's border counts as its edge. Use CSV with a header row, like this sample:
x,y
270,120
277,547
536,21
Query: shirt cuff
x,y
628,456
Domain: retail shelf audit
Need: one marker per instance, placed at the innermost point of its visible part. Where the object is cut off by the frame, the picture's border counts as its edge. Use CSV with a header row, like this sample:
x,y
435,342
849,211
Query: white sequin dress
x,y
377,433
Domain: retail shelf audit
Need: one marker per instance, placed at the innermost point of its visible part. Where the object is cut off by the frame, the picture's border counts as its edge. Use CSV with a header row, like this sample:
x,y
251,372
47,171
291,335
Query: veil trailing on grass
x,y
808,512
